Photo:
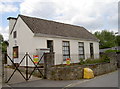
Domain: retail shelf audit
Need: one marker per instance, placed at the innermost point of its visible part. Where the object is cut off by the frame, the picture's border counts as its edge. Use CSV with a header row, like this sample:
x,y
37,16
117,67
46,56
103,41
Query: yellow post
x,y
88,73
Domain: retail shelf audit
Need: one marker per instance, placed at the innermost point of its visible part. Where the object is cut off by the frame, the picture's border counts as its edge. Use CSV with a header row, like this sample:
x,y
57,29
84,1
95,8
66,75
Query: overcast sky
x,y
94,15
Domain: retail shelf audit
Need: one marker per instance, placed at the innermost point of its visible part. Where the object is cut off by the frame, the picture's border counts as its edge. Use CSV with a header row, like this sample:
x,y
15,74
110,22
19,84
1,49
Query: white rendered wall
x,y
28,43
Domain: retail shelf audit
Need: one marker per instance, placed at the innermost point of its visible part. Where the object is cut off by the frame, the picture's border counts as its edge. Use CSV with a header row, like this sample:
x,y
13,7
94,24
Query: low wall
x,y
118,59
76,72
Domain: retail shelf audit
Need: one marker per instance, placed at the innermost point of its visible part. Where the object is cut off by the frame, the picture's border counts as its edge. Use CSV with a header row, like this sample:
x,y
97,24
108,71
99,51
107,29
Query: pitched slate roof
x,y
48,27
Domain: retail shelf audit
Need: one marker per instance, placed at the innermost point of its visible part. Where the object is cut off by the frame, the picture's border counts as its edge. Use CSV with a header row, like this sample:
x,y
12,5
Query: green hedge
x,y
110,51
103,59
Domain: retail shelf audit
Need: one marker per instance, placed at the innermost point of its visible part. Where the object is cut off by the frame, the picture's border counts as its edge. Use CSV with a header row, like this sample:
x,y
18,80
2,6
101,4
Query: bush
x,y
81,61
93,61
110,51
103,59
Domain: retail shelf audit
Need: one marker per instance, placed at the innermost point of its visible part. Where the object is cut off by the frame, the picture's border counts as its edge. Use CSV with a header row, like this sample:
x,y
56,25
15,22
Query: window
x,y
66,50
81,50
14,34
15,52
91,50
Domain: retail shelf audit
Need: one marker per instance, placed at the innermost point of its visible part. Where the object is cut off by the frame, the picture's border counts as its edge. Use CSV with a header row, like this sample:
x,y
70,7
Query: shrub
x,y
93,61
110,51
104,58
81,61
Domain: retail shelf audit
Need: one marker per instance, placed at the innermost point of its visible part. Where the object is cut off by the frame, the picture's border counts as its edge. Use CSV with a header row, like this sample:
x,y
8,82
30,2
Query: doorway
x,y
91,50
50,45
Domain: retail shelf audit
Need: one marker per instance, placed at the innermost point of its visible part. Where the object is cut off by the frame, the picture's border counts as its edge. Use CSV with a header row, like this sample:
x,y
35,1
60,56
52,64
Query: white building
x,y
27,34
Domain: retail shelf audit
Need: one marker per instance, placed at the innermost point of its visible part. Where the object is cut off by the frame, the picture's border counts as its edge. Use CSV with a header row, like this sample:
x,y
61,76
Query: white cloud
x,y
11,1
38,8
5,7
4,32
92,14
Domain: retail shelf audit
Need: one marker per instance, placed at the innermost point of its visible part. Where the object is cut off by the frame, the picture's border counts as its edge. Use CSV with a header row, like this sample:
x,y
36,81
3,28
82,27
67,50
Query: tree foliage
x,y
4,46
1,38
107,38
3,43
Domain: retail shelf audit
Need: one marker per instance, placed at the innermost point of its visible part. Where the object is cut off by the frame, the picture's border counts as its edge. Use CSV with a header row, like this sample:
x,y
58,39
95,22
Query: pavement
x,y
17,77
106,80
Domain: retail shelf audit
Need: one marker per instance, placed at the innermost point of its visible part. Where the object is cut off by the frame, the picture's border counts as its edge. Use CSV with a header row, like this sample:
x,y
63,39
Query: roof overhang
x,y
62,37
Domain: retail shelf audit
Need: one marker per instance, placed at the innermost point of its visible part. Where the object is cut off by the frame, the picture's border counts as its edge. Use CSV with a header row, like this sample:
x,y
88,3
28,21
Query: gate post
x,y
118,59
26,66
113,58
1,63
48,63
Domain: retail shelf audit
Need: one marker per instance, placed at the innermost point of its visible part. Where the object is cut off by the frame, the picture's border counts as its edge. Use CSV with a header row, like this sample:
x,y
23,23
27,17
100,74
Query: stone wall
x,y
118,59
115,58
65,73
76,71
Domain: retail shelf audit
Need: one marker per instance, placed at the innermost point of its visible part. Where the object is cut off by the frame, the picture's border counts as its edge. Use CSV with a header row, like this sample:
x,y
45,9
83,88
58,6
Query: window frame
x,y
65,48
81,46
16,50
15,34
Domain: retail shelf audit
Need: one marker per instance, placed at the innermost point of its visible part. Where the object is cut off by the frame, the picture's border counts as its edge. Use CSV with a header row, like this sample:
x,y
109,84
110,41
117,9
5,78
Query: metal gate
x,y
27,75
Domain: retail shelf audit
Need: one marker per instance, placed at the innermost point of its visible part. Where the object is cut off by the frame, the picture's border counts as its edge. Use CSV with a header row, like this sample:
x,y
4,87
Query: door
x,y
91,50
50,45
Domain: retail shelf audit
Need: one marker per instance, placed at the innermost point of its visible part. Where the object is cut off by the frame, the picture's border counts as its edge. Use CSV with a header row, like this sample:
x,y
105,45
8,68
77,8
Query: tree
x,y
4,46
3,43
1,38
107,38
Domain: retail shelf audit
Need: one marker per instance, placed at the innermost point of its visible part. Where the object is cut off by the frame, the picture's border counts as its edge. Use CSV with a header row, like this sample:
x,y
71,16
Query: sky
x,y
94,15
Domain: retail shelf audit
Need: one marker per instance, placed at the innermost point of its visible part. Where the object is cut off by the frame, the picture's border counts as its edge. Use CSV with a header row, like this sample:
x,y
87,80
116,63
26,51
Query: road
x,y
106,80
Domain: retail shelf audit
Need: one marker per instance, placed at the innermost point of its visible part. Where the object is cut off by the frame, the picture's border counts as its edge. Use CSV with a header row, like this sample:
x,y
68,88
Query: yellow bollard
x,y
88,73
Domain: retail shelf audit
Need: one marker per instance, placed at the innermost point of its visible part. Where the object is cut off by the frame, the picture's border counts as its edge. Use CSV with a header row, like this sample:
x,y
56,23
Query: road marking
x,y
74,84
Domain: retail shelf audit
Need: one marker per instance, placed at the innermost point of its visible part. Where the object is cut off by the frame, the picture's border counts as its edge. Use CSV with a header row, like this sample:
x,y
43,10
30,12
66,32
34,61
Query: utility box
x,y
88,73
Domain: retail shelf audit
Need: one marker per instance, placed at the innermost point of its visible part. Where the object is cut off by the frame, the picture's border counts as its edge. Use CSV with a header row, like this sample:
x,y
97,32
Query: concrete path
x,y
17,77
107,80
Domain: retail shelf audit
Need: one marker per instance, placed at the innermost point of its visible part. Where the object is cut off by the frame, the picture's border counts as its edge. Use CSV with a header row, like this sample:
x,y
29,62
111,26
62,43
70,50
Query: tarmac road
x,y
107,80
